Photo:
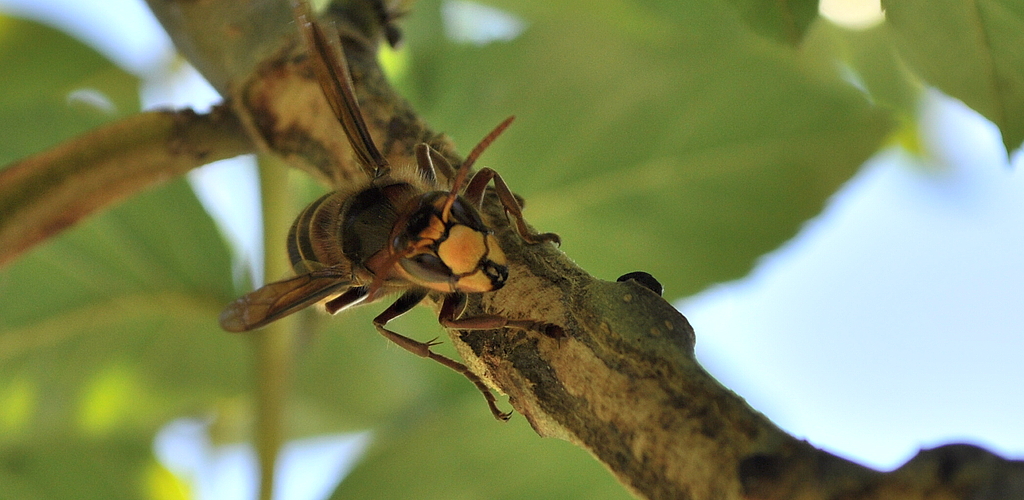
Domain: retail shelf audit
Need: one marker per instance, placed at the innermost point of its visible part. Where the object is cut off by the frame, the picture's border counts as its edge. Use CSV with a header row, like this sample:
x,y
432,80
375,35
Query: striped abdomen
x,y
314,241
340,228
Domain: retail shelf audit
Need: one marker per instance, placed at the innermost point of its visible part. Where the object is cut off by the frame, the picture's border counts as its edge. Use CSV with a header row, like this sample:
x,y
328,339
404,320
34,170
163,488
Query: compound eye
x,y
427,267
465,214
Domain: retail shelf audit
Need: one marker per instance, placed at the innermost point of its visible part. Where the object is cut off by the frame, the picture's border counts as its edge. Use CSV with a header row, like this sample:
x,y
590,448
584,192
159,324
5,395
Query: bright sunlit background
x,y
892,322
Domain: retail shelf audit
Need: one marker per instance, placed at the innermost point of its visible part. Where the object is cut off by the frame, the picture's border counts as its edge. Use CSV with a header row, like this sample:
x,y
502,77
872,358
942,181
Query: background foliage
x,y
681,138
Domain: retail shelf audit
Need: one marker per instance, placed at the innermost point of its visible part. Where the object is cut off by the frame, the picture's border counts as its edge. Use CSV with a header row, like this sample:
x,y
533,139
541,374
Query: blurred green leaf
x,y
784,21
350,378
869,58
686,150
429,423
109,331
42,68
458,451
59,466
970,50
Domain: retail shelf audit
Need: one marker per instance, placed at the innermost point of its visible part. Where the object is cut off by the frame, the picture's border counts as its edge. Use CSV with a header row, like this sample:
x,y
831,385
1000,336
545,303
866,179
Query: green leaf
x,y
43,68
459,451
349,377
119,299
869,57
686,150
59,467
110,330
784,21
429,422
970,50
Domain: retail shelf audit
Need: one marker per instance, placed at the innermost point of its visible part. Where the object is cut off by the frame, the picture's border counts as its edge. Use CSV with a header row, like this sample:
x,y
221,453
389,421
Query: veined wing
x,y
331,68
281,298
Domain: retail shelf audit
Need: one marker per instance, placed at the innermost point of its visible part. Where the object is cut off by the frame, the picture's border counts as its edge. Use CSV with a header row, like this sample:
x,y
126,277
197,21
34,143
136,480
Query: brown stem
x,y
45,193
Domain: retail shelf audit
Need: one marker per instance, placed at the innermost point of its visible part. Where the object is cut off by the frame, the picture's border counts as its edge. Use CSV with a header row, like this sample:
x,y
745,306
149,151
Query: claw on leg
x,y
422,349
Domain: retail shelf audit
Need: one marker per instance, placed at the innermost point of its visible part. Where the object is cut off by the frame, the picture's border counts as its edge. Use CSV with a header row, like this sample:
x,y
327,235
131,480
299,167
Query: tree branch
x,y
45,193
624,384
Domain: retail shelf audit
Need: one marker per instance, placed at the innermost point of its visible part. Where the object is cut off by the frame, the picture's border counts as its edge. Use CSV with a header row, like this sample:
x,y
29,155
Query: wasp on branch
x,y
414,229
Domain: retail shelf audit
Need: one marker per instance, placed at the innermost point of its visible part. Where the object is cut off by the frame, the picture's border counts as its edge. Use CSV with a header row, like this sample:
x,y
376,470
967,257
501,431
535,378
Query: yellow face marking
x,y
476,282
494,252
463,249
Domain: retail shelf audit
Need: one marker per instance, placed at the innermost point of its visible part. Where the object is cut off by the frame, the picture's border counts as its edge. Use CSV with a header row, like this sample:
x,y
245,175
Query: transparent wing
x,y
331,68
279,299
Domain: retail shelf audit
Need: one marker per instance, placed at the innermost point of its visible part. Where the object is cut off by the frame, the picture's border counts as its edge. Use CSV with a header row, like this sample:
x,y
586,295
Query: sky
x,y
891,322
